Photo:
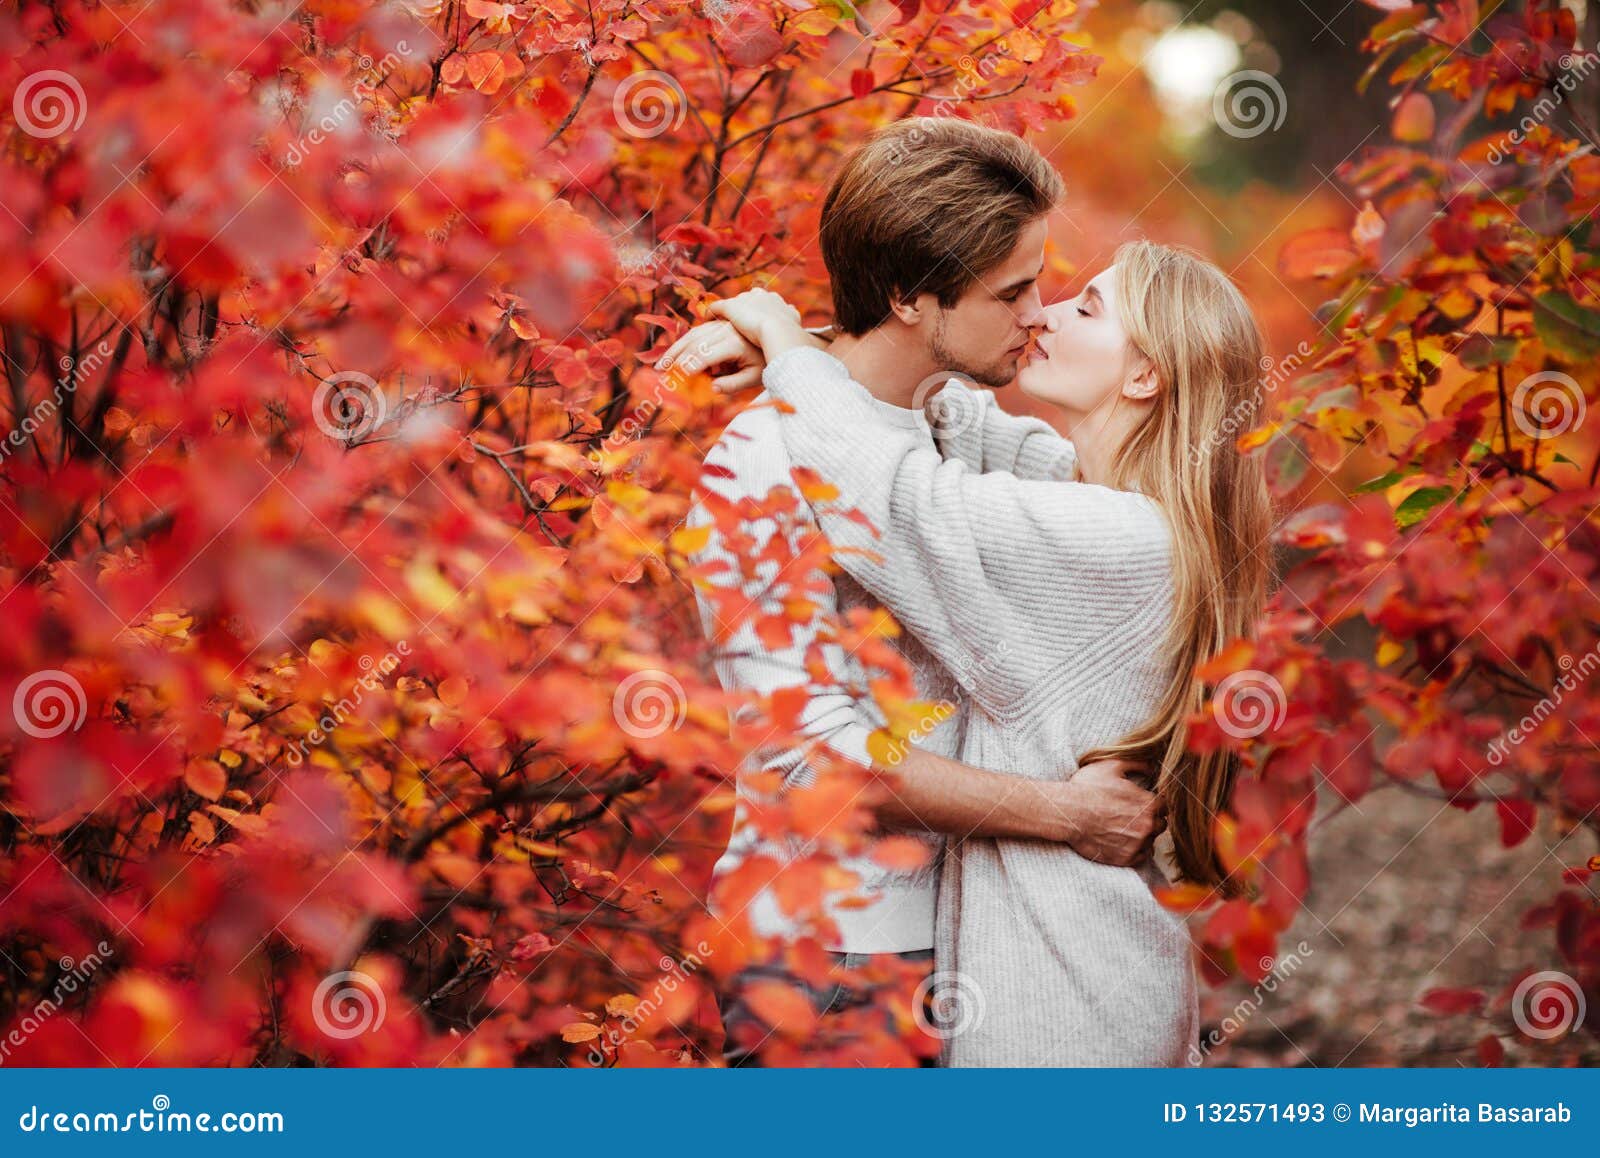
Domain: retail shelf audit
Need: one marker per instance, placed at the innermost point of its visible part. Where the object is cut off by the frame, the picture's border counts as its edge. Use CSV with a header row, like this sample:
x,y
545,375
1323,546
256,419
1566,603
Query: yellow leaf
x,y
577,1031
814,22
688,540
1389,651
622,1005
1257,437
816,491
427,584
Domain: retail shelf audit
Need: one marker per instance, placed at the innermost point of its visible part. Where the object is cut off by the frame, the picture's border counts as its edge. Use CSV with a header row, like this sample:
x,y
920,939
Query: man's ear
x,y
1145,382
907,310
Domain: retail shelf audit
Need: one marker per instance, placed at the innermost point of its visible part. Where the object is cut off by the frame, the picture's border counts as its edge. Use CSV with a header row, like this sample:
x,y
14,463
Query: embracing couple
x,y
1061,591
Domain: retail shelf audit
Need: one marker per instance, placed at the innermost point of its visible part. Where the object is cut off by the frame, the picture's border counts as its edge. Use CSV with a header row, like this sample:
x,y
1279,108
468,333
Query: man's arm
x,y
1103,815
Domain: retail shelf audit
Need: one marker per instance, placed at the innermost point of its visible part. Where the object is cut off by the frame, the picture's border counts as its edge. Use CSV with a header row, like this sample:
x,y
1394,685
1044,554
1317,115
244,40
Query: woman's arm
x,y
1000,577
969,425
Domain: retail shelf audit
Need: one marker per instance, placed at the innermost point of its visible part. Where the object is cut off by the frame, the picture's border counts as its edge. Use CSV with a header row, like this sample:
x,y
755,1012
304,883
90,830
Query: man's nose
x,y
1032,314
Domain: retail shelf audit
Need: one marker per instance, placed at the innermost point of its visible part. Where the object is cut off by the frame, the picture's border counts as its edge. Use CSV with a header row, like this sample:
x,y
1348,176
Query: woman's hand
x,y
765,319
753,328
716,345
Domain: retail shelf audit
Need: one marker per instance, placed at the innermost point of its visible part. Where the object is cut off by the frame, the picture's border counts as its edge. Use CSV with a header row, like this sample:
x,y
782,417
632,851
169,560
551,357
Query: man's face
x,y
985,332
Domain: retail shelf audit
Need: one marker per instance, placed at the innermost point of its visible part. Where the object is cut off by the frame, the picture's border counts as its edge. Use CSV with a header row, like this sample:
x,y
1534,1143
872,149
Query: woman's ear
x,y
1145,382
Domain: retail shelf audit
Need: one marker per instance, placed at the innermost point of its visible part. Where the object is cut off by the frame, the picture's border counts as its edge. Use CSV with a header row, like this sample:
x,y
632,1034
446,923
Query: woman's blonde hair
x,y
1183,314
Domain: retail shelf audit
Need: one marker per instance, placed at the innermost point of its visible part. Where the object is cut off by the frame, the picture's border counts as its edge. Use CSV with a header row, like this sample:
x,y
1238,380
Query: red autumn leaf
x,y
1453,1002
1516,820
1319,253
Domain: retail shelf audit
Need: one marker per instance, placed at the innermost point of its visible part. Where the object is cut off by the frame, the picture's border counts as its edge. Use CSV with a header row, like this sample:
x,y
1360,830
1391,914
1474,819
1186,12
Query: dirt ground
x,y
1407,895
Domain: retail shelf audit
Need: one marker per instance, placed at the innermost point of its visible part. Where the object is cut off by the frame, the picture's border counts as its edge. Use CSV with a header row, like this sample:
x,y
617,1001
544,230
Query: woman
x,y
1101,594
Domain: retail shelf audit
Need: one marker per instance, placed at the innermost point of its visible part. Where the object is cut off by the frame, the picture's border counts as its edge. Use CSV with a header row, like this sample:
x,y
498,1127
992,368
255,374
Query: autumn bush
x,y
1438,629
358,710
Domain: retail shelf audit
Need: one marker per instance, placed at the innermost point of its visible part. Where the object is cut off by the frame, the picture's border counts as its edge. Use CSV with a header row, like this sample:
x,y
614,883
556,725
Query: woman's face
x,y
1082,360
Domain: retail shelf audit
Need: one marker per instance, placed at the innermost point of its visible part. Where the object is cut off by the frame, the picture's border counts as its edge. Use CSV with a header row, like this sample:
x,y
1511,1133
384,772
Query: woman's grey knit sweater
x,y
1049,602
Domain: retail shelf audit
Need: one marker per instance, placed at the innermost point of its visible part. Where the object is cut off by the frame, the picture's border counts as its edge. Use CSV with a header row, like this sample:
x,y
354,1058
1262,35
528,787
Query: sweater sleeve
x,y
1000,577
969,425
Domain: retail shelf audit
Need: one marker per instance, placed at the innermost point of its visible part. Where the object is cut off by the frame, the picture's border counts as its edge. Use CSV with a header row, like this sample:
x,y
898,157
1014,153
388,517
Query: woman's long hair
x,y
1184,315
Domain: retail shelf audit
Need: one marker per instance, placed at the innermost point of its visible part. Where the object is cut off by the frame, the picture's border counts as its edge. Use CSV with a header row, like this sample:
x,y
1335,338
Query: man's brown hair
x,y
927,205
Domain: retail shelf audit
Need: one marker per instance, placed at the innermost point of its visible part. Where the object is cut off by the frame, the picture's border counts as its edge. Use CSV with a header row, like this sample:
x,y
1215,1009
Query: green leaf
x,y
1480,351
1567,328
1286,463
1419,502
1382,483
1341,398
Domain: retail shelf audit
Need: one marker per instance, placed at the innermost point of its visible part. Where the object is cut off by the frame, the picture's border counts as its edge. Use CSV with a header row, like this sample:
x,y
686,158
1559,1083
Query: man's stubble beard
x,y
992,376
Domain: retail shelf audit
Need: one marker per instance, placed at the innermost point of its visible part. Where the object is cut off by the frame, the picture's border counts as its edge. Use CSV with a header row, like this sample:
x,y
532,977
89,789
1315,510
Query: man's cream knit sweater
x,y
749,460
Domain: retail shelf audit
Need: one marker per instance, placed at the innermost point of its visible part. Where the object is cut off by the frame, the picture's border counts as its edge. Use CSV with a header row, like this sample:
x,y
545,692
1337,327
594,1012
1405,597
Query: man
x,y
933,235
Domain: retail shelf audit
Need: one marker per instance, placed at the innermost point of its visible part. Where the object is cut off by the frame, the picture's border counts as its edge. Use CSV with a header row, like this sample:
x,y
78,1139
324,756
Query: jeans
x,y
741,1049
